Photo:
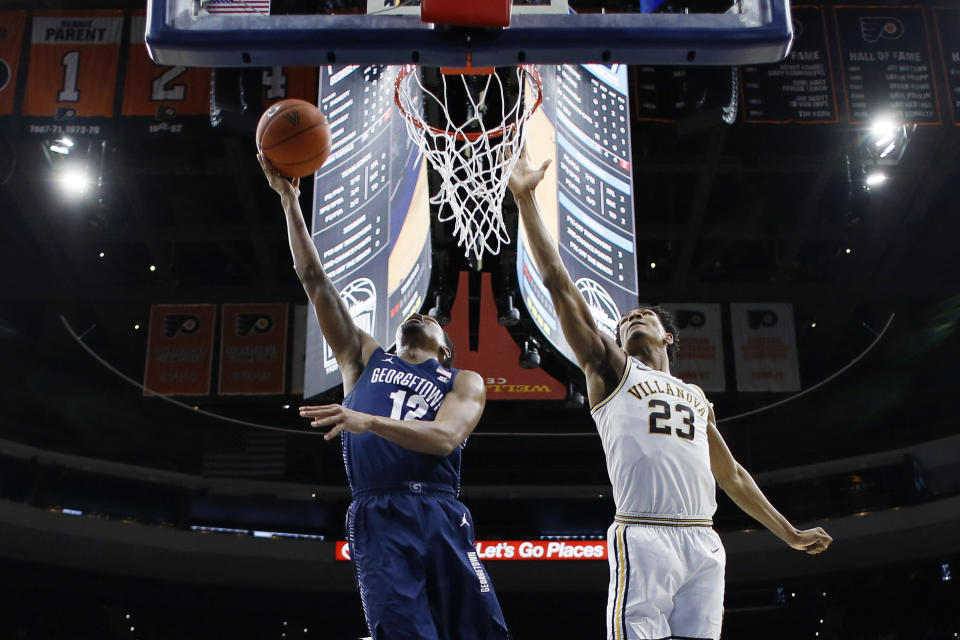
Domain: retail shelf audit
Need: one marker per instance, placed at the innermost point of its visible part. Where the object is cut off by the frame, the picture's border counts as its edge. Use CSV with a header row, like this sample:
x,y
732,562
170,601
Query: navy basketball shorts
x,y
419,577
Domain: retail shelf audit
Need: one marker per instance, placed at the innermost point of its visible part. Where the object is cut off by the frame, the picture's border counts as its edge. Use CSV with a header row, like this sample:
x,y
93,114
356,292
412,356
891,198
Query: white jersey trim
x,y
623,379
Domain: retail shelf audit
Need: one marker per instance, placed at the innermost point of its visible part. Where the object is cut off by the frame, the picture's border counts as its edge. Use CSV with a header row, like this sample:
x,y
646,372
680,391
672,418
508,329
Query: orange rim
x,y
528,69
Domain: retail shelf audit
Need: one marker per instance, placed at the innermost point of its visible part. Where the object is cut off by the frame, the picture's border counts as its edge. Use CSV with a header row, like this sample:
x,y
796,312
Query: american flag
x,y
252,454
236,6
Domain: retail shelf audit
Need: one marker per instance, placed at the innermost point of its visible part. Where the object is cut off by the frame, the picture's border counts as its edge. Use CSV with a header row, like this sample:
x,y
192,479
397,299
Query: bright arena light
x,y
882,127
74,181
875,179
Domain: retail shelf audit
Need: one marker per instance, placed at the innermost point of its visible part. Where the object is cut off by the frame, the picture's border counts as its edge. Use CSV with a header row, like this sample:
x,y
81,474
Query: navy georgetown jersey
x,y
392,387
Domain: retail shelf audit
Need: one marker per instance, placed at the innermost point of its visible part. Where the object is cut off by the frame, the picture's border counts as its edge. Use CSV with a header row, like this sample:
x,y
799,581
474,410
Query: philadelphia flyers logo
x,y
175,323
757,318
690,318
875,28
166,112
248,323
293,117
4,74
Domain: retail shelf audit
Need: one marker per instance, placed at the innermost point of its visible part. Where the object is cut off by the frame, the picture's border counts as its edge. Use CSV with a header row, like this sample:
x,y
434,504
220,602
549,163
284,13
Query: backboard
x,y
236,33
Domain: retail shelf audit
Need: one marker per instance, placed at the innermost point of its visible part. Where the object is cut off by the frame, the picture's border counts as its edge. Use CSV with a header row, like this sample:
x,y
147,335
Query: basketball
x,y
294,136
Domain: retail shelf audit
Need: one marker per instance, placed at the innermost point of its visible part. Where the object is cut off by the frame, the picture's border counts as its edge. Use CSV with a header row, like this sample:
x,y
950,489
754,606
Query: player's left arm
x,y
456,419
743,490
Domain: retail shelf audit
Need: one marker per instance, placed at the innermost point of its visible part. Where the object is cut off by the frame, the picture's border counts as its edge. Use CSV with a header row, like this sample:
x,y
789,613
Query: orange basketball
x,y
294,136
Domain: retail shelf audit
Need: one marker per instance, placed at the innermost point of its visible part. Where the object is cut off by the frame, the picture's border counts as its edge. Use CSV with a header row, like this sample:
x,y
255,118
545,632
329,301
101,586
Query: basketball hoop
x,y
474,158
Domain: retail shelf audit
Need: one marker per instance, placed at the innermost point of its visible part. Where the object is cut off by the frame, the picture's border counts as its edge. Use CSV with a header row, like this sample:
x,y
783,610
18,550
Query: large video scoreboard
x,y
584,126
370,213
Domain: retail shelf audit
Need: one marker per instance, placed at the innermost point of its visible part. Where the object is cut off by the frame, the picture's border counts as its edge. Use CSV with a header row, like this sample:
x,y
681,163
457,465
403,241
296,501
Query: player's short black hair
x,y
448,362
669,325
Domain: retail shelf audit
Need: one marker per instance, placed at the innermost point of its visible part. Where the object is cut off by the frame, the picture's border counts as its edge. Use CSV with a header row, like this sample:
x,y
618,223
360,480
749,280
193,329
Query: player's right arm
x,y
737,483
597,354
351,346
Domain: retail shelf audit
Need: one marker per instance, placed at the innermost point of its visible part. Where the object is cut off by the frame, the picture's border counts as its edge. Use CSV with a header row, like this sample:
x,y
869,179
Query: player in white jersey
x,y
664,454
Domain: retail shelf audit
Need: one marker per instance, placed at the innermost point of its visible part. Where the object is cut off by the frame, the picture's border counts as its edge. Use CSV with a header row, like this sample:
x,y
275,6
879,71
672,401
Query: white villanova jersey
x,y
654,432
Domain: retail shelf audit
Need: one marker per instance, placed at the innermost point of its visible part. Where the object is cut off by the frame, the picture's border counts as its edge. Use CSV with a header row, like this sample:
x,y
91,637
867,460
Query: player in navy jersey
x,y
404,422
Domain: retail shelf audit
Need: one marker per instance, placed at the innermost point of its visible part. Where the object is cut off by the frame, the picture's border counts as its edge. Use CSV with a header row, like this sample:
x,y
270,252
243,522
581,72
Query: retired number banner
x,y
162,92
253,349
74,56
280,83
11,39
180,349
700,358
765,347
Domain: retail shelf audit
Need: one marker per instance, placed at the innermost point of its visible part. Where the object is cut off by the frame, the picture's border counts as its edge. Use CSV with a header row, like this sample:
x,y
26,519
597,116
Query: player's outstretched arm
x,y
351,346
455,421
595,352
743,490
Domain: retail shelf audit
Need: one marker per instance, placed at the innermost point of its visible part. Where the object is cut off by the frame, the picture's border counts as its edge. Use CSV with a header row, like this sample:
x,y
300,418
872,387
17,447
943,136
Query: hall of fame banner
x,y
947,23
799,89
886,64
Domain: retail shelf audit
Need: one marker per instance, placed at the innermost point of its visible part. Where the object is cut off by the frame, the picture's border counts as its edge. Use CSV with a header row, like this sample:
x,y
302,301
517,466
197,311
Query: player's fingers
x,y
815,547
319,411
263,165
325,421
296,183
333,433
268,168
546,163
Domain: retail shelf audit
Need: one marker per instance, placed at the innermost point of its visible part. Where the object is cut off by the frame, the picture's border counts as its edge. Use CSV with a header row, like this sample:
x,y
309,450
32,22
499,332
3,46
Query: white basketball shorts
x,y
666,579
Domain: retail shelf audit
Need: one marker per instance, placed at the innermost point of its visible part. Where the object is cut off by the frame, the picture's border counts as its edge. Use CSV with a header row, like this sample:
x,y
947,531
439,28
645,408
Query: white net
x,y
474,154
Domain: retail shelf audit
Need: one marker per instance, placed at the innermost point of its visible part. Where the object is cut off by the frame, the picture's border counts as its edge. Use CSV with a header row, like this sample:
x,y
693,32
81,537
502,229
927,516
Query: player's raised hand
x,y
289,188
338,417
813,541
524,177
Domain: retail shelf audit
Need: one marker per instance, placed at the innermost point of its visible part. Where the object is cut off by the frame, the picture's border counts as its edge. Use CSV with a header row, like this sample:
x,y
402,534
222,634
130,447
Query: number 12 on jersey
x,y
416,405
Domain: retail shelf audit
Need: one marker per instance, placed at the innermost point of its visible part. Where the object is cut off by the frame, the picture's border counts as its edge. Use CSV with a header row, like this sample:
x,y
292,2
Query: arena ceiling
x,y
741,213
